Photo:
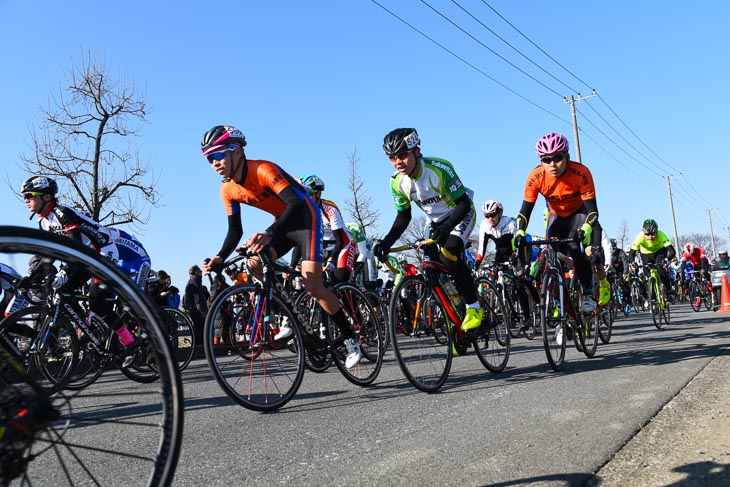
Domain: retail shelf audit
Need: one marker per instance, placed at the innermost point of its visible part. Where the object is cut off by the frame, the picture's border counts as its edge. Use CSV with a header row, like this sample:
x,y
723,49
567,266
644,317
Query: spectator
x,y
195,303
170,293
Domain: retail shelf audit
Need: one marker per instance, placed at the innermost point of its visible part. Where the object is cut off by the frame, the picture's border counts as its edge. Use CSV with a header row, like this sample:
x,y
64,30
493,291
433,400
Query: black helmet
x,y
39,184
613,243
221,136
649,226
400,140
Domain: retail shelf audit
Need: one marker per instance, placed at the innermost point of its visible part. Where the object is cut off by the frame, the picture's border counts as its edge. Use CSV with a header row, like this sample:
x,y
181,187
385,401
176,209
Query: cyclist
x,y
405,268
571,196
619,264
723,262
434,186
339,244
39,194
655,248
695,256
297,220
364,257
500,228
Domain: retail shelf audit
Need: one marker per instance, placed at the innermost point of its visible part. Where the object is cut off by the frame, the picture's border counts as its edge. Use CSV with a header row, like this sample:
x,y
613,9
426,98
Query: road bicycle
x,y
699,291
425,324
263,374
636,285
560,317
522,322
88,437
658,303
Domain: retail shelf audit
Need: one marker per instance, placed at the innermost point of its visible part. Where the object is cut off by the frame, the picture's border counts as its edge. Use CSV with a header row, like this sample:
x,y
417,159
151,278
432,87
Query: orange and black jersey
x,y
565,195
264,181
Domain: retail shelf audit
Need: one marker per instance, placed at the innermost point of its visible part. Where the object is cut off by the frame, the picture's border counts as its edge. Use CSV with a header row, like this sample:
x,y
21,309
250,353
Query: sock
x,y
341,321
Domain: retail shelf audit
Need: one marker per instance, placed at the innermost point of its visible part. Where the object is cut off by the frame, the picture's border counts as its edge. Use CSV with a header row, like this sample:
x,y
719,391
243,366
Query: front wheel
x,y
695,295
421,335
253,369
552,323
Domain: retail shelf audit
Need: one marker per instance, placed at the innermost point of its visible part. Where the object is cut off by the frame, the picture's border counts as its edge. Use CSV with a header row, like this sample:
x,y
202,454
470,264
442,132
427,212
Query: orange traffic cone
x,y
725,296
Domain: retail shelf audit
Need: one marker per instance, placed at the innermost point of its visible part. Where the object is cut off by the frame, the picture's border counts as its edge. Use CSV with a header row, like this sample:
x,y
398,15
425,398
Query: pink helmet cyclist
x,y
551,143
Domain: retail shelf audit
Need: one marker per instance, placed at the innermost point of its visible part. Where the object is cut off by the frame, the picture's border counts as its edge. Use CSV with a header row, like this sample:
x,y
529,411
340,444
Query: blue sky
x,y
311,82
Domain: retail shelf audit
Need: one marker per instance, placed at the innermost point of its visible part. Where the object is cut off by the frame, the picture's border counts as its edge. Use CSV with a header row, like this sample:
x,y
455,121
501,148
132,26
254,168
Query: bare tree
x,y
623,232
703,240
83,138
360,206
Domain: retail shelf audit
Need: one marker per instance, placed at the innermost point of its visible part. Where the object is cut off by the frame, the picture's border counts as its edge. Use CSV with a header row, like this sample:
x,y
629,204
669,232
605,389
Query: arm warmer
x,y
523,218
235,232
339,243
402,219
592,209
293,205
462,208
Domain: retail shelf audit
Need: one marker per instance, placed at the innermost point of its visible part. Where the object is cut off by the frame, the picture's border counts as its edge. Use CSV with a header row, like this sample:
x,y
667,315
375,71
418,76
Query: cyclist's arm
x,y
339,235
233,236
523,217
402,219
462,208
592,209
293,205
670,251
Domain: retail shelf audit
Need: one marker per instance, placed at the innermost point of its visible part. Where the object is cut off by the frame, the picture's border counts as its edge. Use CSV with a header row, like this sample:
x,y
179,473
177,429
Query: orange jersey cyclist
x,y
297,220
571,196
433,185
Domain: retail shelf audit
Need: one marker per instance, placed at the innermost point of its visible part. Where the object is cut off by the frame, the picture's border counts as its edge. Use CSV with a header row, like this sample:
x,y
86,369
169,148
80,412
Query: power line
x,y
471,65
491,50
538,47
513,47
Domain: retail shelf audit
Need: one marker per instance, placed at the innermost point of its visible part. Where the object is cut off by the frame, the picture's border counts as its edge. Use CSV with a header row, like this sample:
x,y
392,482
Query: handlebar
x,y
417,245
553,242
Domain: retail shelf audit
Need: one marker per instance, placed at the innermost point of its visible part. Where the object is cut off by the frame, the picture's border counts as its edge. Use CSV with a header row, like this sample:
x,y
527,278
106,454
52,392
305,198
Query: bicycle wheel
x,y
50,353
605,327
554,333
589,332
654,303
312,318
381,310
420,332
364,322
182,338
493,343
252,368
100,438
706,296
637,297
695,299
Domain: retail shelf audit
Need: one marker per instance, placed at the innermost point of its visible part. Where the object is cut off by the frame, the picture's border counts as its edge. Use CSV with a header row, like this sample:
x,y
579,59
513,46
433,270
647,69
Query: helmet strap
x,y
242,168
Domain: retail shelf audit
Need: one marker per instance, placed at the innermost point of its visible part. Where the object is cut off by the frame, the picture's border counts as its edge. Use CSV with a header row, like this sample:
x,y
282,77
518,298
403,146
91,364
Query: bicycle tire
x,y
493,343
694,294
381,309
416,318
311,317
364,322
182,336
590,333
552,323
654,304
253,369
144,451
605,328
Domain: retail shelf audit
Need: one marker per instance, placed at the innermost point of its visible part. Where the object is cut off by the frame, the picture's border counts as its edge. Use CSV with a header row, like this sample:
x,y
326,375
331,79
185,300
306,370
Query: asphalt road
x,y
525,426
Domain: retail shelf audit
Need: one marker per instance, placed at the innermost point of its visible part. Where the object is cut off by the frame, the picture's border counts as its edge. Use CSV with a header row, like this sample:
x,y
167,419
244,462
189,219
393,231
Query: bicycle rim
x,y
493,343
590,333
93,441
605,328
554,334
381,311
181,330
252,368
420,334
364,322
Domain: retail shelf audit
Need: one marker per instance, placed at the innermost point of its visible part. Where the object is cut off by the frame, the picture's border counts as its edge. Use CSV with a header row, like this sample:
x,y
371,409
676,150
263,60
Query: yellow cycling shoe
x,y
604,293
473,319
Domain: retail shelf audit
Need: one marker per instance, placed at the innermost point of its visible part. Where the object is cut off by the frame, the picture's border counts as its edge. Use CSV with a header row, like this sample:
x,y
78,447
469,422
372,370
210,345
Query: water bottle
x,y
451,291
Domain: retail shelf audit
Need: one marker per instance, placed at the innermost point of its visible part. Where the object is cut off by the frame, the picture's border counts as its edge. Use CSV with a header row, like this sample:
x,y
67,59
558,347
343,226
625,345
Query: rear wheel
x,y
420,331
182,337
493,344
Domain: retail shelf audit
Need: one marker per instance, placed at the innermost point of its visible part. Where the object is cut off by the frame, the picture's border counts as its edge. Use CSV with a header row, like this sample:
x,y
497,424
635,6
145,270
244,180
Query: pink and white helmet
x,y
689,248
551,143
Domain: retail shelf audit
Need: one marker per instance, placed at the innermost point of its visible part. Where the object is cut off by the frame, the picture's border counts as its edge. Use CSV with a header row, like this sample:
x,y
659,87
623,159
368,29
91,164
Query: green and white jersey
x,y
433,189
356,230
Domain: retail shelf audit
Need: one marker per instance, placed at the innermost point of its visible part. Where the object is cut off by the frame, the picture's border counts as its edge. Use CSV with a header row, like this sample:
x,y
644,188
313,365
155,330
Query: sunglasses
x,y
218,156
399,157
490,215
549,159
650,234
27,196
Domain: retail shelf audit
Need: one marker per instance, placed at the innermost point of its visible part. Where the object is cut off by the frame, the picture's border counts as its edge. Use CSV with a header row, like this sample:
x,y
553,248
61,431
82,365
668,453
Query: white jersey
x,y
505,229
332,220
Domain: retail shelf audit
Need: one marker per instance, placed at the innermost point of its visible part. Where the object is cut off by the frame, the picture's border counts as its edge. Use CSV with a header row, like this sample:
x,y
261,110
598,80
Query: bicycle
x,y
699,291
263,374
658,303
62,439
637,294
510,283
425,324
559,303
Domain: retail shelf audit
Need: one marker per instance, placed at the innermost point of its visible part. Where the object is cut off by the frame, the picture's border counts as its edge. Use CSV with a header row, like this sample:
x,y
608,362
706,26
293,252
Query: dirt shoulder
x,y
686,443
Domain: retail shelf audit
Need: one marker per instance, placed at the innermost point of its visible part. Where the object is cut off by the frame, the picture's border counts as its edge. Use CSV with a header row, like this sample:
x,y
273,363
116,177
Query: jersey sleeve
x,y
587,188
401,201
272,176
532,185
451,181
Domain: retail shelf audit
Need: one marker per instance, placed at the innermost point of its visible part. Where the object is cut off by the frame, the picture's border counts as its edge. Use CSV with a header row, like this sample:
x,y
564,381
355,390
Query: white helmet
x,y
491,206
689,248
402,259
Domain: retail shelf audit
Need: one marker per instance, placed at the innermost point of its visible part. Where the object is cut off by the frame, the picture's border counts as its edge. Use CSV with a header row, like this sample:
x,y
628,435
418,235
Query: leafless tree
x,y
84,139
623,233
703,240
360,206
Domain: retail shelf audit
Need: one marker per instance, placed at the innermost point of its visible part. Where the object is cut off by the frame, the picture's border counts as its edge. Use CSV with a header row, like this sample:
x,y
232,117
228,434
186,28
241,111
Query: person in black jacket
x,y
195,303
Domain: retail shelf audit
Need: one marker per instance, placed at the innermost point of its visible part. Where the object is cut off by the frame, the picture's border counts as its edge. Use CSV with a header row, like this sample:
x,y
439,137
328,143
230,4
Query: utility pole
x,y
575,121
671,205
712,234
